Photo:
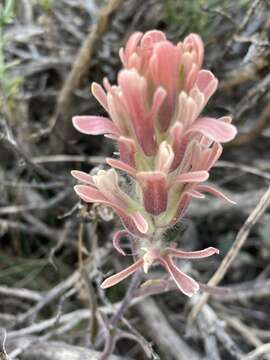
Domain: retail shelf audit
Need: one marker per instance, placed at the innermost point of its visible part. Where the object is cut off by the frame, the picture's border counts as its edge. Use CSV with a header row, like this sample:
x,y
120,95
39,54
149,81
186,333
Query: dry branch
x,y
60,122
256,354
14,209
233,252
61,351
93,160
245,332
165,337
246,291
20,293
260,125
212,329
245,168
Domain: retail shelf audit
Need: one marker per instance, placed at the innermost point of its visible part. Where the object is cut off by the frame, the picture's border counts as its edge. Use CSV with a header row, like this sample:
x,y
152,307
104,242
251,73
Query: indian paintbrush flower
x,y
166,146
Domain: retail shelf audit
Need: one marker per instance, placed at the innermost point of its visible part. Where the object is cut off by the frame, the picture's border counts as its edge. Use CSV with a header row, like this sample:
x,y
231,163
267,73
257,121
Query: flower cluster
x,y
166,146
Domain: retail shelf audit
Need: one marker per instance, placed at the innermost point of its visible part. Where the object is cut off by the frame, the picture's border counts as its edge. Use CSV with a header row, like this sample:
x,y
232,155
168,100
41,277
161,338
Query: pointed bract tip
x,y
213,250
105,284
192,291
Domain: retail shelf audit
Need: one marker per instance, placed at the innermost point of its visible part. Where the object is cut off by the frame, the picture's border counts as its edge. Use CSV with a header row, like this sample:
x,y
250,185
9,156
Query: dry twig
x,y
60,351
166,338
233,252
60,121
245,168
213,328
257,353
260,125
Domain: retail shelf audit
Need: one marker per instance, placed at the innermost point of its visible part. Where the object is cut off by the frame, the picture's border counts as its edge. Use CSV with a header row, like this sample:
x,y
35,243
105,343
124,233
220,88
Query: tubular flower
x,y
166,146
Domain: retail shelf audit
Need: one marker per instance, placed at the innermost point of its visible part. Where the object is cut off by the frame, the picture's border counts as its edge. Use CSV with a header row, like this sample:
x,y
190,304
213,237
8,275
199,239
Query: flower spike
x,y
166,147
